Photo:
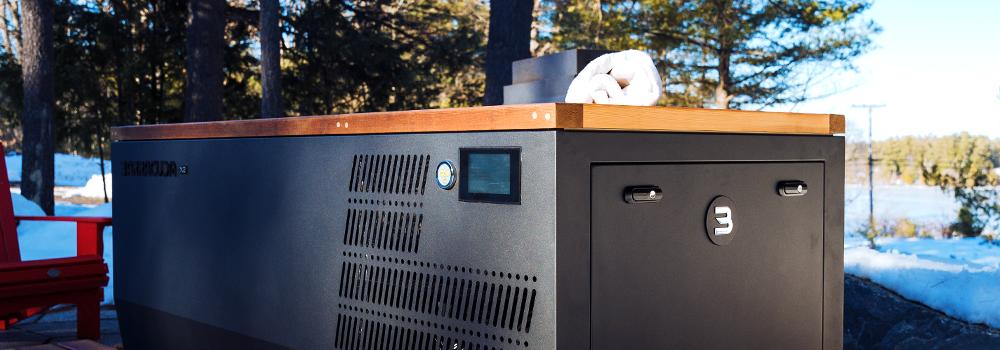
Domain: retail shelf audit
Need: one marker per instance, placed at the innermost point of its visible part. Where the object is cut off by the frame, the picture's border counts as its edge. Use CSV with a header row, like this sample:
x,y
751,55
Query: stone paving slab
x,y
55,328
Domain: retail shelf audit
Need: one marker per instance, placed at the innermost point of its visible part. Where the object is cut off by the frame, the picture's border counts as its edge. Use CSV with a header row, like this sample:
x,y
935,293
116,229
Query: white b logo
x,y
725,220
720,220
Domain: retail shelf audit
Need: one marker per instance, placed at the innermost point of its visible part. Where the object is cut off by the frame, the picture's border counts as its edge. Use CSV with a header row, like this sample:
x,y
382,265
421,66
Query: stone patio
x,y
58,325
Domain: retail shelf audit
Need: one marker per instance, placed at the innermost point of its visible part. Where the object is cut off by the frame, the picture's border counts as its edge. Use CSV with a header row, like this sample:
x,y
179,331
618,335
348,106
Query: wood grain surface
x,y
542,116
708,120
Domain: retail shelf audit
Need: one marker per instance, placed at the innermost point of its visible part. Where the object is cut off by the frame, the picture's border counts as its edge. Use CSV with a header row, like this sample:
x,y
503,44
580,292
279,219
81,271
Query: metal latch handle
x,y
643,194
792,188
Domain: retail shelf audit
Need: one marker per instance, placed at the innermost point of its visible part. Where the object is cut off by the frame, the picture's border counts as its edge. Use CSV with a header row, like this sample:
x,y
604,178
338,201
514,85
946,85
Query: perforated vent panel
x,y
381,223
396,174
392,298
389,230
501,305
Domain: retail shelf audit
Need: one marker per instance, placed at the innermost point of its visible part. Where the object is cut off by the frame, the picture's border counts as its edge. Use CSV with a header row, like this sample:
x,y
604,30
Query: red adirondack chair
x,y
29,287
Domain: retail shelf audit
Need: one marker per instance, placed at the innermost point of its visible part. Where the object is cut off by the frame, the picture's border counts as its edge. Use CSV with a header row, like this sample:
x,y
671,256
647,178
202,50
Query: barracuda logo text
x,y
160,168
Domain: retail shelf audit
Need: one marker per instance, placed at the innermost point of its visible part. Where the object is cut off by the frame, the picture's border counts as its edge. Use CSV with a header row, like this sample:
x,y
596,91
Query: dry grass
x,y
60,190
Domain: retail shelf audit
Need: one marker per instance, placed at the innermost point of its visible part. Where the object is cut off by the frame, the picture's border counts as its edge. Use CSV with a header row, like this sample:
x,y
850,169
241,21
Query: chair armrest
x,y
94,219
89,231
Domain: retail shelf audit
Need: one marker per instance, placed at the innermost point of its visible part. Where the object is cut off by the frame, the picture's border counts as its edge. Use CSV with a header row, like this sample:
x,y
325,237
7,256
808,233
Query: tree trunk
x,y
38,68
270,59
100,153
157,57
725,85
509,41
205,48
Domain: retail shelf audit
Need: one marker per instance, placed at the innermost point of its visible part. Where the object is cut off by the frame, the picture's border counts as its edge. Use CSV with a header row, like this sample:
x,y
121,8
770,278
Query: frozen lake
x,y
917,203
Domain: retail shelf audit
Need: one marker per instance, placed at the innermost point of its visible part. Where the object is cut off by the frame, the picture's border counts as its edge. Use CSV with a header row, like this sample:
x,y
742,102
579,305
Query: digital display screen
x,y
489,173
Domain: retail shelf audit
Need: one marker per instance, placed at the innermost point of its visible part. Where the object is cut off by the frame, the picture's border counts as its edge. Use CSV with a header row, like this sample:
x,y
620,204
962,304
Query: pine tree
x,y
723,53
349,57
38,64
270,59
509,41
205,59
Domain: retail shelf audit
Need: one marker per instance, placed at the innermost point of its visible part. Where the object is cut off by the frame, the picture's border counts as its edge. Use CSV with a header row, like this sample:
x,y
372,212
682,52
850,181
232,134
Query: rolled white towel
x,y
620,78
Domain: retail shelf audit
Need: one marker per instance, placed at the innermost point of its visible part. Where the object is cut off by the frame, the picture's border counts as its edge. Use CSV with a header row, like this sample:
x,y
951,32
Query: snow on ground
x,y
972,251
70,170
960,277
93,188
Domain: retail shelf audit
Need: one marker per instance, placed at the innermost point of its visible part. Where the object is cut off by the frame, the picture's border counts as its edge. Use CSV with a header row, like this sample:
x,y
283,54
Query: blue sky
x,y
937,70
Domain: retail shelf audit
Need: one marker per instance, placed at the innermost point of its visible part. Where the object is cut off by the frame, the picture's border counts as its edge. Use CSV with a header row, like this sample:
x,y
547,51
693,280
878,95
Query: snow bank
x,y
93,188
956,276
70,170
25,207
45,240
972,250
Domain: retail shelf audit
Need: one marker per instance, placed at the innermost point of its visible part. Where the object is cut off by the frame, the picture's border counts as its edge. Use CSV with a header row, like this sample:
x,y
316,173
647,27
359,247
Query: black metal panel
x,y
341,238
539,91
578,150
659,282
161,330
282,238
833,251
546,78
561,64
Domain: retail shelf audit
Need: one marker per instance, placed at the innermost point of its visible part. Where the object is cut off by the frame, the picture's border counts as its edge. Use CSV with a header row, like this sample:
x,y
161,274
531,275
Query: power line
x,y
871,199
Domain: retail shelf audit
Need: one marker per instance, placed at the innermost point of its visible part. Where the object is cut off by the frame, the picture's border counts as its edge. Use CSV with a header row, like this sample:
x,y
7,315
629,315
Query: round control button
x,y
446,175
652,194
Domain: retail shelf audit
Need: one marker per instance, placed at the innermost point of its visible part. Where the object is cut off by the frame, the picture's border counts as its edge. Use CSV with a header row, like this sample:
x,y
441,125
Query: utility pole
x,y
871,199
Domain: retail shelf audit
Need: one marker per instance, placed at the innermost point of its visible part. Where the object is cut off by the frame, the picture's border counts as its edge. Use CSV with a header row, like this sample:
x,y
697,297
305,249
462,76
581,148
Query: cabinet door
x,y
659,282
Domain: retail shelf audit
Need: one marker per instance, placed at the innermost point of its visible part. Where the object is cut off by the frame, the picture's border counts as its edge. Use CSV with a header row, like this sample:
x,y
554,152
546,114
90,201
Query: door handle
x,y
792,188
643,194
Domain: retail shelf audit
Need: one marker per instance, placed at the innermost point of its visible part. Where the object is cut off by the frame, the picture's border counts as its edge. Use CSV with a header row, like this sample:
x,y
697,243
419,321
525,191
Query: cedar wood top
x,y
541,116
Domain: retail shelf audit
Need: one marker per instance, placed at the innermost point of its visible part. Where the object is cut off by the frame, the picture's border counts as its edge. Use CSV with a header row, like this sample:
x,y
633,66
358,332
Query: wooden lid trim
x,y
708,120
540,116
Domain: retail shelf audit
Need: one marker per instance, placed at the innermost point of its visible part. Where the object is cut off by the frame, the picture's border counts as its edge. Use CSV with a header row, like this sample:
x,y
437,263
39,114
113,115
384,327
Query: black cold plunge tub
x,y
543,226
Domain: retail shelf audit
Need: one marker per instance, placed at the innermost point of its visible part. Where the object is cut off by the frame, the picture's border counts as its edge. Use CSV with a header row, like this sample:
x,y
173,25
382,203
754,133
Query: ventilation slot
x,y
398,174
396,231
355,333
503,306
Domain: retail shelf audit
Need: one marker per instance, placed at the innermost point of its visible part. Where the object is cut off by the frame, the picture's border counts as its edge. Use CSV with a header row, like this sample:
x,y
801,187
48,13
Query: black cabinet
x,y
580,239
659,281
